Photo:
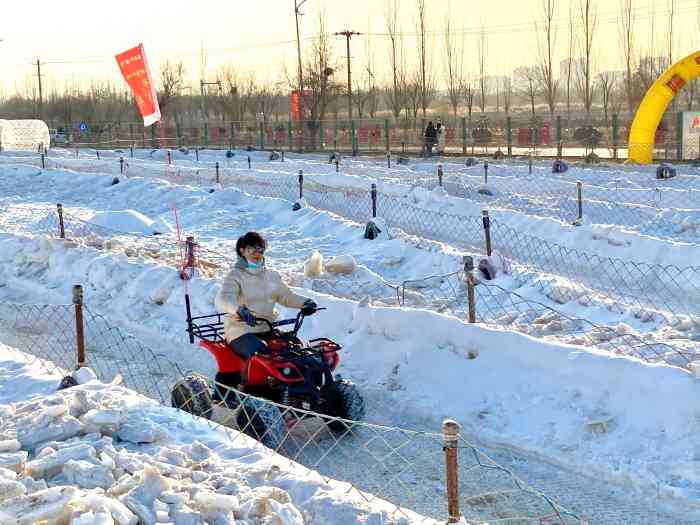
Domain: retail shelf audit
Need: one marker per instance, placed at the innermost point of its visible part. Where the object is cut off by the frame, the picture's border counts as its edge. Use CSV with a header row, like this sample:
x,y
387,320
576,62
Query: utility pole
x,y
348,34
202,83
297,5
41,101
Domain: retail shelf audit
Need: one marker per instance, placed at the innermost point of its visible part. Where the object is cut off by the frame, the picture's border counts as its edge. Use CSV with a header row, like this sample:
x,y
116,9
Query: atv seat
x,y
249,345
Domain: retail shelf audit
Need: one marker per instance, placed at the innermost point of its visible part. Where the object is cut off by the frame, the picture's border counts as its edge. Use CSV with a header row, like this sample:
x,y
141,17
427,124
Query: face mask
x,y
253,265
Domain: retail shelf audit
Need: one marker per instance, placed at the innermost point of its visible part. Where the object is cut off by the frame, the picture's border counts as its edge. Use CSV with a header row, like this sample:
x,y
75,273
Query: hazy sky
x,y
259,34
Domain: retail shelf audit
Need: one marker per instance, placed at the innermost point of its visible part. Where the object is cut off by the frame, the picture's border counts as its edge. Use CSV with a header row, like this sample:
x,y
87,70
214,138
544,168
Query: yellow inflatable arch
x,y
655,102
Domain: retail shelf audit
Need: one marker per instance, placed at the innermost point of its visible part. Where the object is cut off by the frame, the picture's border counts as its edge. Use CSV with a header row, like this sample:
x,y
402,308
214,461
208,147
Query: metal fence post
x,y
529,163
301,184
132,151
373,194
486,172
282,152
464,135
217,172
486,220
388,159
439,173
386,136
679,135
471,299
189,259
509,135
43,161
206,135
121,165
248,161
98,154
79,326
615,126
61,229
450,441
170,158
337,164
262,135
352,138
289,135
579,192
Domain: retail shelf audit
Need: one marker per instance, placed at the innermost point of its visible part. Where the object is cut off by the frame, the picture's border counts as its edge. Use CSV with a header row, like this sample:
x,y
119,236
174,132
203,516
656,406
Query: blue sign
x,y
84,127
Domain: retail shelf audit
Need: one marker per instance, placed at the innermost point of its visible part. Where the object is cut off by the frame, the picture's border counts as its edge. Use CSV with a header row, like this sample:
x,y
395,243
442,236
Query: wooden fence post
x,y
79,326
450,437
486,220
61,228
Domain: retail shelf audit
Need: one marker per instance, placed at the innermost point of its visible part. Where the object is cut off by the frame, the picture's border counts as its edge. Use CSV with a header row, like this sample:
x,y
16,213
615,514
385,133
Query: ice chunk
x,y
101,517
11,489
103,417
211,501
9,445
57,430
184,515
343,264
121,514
88,475
141,498
7,474
139,431
14,461
50,504
52,464
313,266
84,375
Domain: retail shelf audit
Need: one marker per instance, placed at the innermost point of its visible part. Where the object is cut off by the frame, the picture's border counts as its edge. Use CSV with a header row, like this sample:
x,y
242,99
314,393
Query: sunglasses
x,y
257,249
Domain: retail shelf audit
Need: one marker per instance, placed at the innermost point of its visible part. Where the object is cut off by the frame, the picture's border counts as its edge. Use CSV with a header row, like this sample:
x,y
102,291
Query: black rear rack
x,y
212,330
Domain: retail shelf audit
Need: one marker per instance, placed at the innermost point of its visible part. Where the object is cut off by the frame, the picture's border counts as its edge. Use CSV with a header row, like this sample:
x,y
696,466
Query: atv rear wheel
x,y
192,394
262,421
349,405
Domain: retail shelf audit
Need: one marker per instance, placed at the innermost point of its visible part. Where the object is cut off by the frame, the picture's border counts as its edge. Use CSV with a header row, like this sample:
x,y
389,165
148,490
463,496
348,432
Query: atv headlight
x,y
286,371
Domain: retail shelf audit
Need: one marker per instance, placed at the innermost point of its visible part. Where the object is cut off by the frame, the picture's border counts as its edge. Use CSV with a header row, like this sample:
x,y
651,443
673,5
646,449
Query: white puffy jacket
x,y
257,288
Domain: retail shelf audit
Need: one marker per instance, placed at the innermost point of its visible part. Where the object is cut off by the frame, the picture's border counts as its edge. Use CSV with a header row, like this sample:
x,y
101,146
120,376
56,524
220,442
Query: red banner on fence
x,y
296,105
134,68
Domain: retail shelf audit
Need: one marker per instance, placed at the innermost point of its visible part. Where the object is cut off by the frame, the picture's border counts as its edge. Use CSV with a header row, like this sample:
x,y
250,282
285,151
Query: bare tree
x,y
318,70
394,93
427,82
370,79
626,32
606,85
507,94
570,65
531,85
172,80
482,64
546,44
588,19
469,100
454,64
412,95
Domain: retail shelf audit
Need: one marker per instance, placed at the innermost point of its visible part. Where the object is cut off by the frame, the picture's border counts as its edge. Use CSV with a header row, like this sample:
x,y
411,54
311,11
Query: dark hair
x,y
250,239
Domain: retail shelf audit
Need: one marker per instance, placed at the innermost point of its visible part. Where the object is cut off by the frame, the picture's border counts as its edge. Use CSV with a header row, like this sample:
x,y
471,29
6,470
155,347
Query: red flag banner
x,y
135,70
295,100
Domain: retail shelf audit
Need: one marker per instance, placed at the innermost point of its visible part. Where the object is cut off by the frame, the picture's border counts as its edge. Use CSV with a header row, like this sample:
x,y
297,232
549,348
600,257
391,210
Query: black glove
x,y
309,307
246,316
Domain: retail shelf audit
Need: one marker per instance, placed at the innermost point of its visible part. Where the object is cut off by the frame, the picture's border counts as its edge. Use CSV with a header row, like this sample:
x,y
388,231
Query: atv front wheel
x,y
262,421
192,395
349,405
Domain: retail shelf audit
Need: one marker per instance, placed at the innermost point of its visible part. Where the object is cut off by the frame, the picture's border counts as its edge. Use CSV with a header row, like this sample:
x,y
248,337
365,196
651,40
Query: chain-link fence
x,y
510,135
420,473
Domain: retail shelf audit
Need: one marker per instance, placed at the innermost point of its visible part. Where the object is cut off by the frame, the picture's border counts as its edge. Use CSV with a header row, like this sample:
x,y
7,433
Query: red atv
x,y
284,369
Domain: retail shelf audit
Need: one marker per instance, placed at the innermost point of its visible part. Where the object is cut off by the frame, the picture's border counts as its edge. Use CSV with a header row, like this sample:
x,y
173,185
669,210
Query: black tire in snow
x,y
192,394
349,405
263,422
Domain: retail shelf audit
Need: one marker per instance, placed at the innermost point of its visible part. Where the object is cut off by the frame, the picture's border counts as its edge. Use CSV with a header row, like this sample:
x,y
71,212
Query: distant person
x,y
440,132
430,138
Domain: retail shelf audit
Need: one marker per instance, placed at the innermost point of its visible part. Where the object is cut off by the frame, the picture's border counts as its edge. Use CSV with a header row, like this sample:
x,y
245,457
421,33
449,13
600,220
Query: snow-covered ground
x,y
100,454
624,421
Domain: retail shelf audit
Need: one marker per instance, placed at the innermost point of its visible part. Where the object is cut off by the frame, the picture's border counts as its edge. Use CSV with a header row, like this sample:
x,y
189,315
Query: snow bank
x,y
193,473
130,221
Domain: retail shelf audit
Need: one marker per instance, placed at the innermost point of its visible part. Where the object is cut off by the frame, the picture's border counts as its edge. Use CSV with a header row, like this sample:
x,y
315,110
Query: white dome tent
x,y
30,135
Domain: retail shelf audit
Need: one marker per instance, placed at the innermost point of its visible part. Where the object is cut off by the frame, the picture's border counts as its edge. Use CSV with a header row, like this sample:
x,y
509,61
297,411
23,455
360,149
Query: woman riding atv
x,y
250,291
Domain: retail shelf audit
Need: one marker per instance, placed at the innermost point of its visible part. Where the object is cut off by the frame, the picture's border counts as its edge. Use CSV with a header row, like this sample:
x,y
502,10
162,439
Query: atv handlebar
x,y
296,321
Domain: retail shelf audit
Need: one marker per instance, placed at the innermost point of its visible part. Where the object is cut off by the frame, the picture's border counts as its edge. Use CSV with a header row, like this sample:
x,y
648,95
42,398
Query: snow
x,y
612,417
193,473
130,221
